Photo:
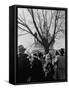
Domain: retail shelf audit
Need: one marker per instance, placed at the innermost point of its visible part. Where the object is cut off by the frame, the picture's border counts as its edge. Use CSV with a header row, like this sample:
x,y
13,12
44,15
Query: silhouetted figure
x,y
61,66
40,55
37,74
57,53
23,67
62,51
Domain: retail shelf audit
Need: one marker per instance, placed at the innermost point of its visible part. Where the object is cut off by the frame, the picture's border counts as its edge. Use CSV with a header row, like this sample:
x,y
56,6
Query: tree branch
x,y
40,25
51,20
23,29
20,20
45,19
55,25
32,15
23,24
28,31
60,30
23,34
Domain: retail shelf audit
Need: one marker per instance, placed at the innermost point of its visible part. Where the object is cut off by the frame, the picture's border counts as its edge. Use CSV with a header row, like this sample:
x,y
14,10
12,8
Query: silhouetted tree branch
x,y
44,25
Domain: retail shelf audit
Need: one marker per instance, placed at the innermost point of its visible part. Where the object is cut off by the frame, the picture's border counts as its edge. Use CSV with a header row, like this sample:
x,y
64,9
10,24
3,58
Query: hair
x,y
40,55
57,53
62,51
21,48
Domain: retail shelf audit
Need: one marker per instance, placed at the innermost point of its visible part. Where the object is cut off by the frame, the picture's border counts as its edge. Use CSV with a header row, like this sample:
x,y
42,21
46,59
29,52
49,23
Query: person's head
x,y
40,55
21,49
57,53
34,54
62,51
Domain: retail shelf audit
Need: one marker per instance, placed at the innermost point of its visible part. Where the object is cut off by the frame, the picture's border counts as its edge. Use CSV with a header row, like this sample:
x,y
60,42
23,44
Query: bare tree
x,y
47,23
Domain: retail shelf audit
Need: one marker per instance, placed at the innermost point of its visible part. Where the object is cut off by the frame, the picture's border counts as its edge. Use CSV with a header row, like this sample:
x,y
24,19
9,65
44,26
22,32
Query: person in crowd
x,y
37,74
23,66
41,58
57,52
50,69
61,66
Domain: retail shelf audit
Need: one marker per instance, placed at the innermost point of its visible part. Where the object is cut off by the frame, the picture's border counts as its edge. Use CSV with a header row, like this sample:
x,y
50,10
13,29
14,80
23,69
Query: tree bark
x,y
46,50
45,45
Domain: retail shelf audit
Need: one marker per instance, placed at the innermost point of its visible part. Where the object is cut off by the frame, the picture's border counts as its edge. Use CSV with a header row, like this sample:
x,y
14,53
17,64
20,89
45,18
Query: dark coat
x,y
61,68
37,71
23,68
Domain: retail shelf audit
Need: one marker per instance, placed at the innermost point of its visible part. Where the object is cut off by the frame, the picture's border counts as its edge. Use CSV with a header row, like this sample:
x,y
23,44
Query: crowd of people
x,y
41,67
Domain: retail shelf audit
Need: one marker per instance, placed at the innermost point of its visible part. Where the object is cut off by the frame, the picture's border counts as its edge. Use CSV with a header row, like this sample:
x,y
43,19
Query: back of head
x,y
40,55
57,53
62,51
21,49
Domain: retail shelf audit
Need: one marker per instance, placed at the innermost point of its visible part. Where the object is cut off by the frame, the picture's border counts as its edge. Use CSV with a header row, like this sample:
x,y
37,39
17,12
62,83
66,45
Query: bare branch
x,y
56,22
60,16
45,18
59,26
20,20
55,25
23,24
28,31
23,29
44,15
29,10
60,30
23,34
51,20
32,15
24,17
40,24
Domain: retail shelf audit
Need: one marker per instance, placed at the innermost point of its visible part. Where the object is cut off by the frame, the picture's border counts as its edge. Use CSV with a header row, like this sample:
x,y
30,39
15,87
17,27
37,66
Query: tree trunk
x,y
46,46
46,50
